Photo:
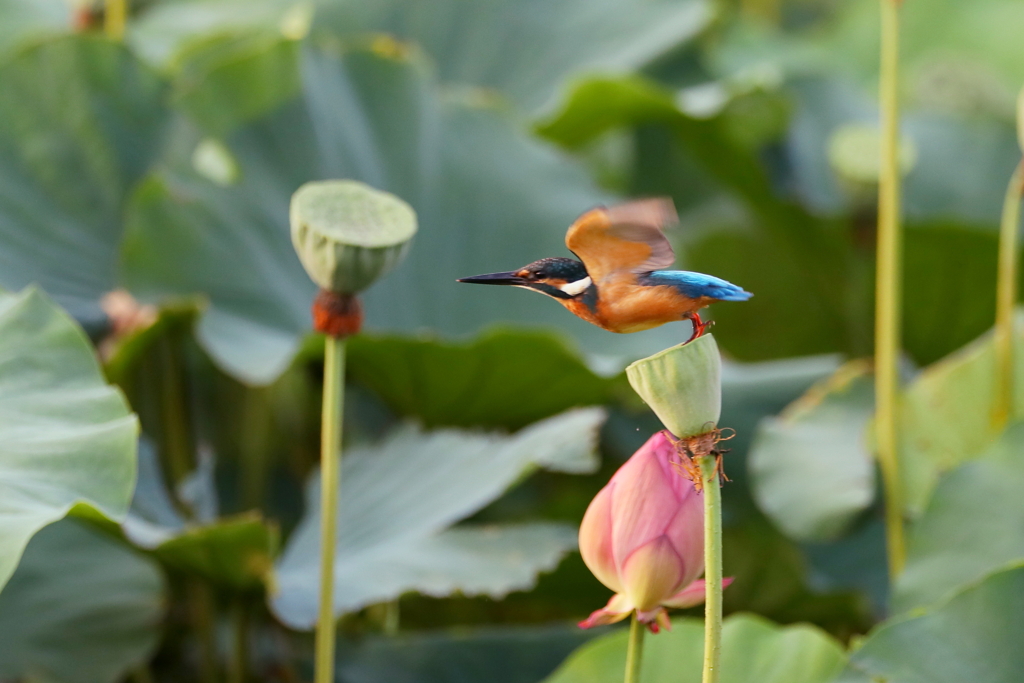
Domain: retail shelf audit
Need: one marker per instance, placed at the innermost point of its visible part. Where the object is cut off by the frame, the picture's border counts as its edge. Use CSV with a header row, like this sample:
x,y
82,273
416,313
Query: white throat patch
x,y
574,288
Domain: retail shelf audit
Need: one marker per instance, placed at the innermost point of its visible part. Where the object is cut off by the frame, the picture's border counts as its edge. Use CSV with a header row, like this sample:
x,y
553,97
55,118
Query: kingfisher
x,y
619,281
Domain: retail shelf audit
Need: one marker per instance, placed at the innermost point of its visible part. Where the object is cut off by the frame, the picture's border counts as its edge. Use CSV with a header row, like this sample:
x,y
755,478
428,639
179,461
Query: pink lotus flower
x,y
643,537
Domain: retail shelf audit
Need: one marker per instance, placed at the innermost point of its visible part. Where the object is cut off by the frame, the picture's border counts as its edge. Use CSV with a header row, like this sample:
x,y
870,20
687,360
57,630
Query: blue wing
x,y
695,285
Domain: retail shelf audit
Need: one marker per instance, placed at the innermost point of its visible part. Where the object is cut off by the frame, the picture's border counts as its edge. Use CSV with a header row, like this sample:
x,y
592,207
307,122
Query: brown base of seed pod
x,y
337,315
701,446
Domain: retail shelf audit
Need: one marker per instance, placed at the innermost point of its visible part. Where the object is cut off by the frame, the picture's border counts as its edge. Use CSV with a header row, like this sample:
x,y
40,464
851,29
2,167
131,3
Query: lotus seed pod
x,y
347,234
682,385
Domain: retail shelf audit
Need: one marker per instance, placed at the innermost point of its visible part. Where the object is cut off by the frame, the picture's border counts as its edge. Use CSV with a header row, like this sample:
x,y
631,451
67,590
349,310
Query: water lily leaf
x,y
855,563
487,198
124,353
66,437
970,527
753,391
470,560
947,262
974,637
24,20
853,675
480,384
754,650
81,608
496,655
161,31
774,580
227,79
398,499
948,414
983,151
153,516
235,553
523,50
975,45
67,162
550,41
810,467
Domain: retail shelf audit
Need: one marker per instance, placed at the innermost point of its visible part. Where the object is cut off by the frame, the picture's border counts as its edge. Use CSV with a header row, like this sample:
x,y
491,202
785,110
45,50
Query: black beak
x,y
509,278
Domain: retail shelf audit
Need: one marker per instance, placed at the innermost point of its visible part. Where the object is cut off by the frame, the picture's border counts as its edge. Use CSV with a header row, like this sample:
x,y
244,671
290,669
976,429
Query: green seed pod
x,y
682,385
348,234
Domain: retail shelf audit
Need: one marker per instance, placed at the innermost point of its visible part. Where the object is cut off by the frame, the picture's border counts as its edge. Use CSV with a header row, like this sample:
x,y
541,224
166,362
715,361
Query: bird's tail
x,y
696,285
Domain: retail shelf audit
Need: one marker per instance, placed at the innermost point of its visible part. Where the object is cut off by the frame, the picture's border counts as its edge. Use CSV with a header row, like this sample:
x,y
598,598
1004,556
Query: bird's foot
x,y
699,326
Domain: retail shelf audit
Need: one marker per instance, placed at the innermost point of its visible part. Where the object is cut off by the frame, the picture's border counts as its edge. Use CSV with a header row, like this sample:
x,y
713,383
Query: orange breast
x,y
624,307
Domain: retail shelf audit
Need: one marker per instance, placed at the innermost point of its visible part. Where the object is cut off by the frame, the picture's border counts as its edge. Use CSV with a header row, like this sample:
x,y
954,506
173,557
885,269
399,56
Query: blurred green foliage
x,y
164,166
753,649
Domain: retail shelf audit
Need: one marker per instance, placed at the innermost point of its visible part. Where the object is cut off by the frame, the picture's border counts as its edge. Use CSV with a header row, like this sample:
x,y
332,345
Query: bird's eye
x,y
538,275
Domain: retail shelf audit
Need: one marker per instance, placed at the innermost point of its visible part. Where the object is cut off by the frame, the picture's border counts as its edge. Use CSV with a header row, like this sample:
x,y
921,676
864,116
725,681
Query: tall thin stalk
x,y
255,445
330,480
177,448
237,670
634,651
712,568
200,599
176,432
888,291
114,15
330,223
1006,298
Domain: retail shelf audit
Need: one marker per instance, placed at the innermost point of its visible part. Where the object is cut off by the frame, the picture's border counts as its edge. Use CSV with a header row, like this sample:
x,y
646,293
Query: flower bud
x,y
348,234
643,537
682,385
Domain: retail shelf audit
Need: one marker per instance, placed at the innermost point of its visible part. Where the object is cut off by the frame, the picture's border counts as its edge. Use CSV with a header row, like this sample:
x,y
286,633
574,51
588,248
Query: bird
x,y
618,280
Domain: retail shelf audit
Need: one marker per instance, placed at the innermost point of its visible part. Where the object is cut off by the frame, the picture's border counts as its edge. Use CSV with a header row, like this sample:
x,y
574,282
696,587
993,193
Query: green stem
x,y
176,431
712,568
114,15
888,292
255,446
240,645
634,651
330,480
1006,298
201,603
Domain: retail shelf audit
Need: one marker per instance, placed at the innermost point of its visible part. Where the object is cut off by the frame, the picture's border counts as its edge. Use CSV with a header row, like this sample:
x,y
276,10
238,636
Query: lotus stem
x,y
255,445
240,643
176,436
330,480
634,651
114,16
1006,298
712,567
200,600
177,449
888,292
